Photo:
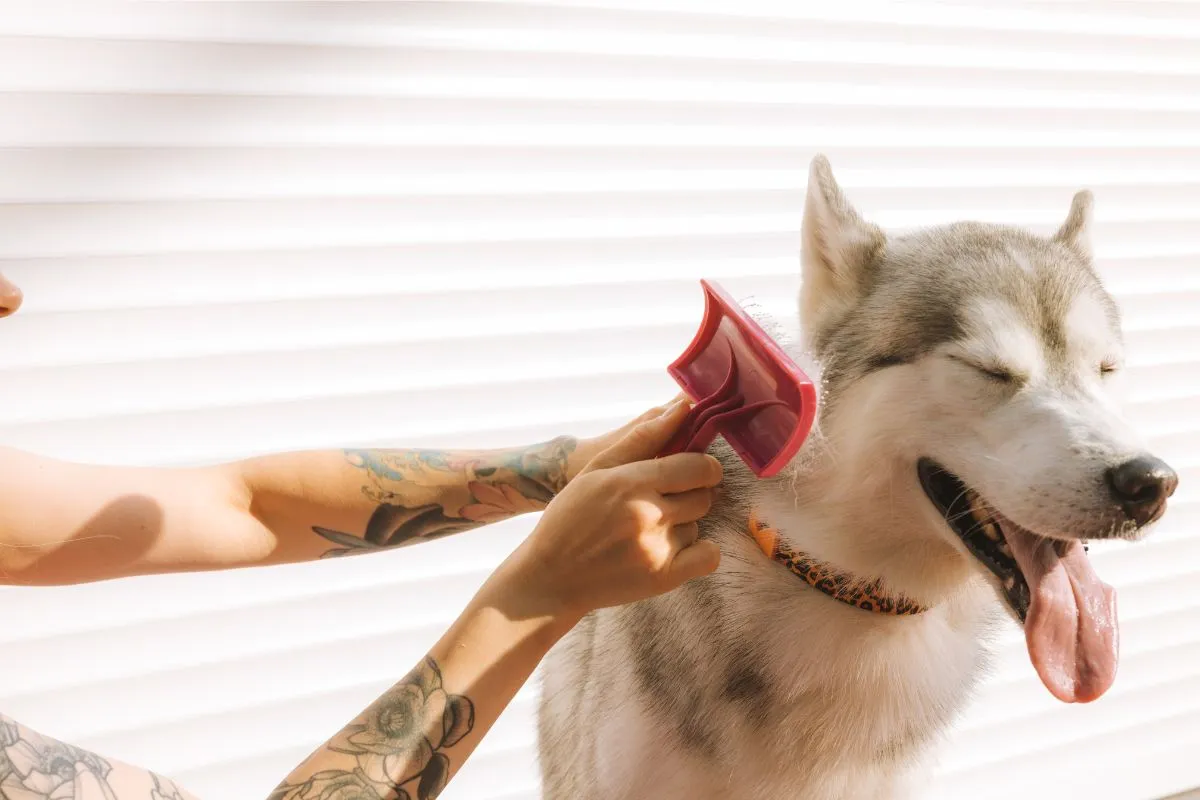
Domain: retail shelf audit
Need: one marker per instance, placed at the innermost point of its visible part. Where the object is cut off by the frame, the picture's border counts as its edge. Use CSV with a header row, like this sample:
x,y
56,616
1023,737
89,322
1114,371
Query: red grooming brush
x,y
744,387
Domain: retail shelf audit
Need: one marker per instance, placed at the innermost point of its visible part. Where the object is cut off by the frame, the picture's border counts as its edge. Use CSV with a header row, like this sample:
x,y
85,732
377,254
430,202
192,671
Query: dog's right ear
x,y
838,246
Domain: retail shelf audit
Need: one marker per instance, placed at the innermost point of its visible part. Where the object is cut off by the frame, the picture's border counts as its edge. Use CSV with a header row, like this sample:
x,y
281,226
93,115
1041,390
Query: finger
x,y
644,440
687,506
681,472
645,416
684,536
656,412
10,297
694,562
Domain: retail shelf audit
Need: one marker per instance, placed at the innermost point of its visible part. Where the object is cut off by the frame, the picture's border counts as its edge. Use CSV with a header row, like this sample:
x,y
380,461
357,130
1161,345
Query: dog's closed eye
x,y
992,372
997,374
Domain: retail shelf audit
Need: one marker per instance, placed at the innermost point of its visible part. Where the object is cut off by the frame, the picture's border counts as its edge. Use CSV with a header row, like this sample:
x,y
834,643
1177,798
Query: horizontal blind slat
x,y
228,219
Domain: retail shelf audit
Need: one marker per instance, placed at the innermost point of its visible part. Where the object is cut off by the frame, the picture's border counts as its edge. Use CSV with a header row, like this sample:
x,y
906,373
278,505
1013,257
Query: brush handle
x,y
699,430
713,413
692,431
693,436
735,371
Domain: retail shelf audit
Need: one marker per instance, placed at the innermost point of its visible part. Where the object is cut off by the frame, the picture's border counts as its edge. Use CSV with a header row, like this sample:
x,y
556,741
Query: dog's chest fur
x,y
751,684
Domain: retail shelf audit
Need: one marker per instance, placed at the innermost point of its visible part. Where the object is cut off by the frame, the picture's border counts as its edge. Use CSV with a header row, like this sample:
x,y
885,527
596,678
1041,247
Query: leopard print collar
x,y
828,578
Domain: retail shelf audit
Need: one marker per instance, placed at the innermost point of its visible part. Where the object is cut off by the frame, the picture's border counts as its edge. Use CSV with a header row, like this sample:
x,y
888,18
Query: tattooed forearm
x,y
538,472
165,789
427,494
395,750
36,767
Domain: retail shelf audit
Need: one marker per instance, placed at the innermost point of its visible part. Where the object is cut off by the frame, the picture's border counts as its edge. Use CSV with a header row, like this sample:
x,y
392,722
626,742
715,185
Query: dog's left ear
x,y
1076,231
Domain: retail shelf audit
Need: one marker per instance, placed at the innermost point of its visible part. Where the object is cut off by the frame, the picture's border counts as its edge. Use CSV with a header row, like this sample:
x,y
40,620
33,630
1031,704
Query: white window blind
x,y
247,227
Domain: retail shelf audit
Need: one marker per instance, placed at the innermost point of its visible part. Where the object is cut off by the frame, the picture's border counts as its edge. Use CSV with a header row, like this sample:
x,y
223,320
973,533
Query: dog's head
x,y
980,362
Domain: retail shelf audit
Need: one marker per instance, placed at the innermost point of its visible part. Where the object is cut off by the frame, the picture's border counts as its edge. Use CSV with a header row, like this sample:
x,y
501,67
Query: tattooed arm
x,y
622,531
409,742
322,504
34,767
331,504
625,530
72,523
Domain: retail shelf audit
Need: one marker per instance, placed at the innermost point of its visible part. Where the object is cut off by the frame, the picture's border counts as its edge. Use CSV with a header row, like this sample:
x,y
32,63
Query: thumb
x,y
694,561
645,440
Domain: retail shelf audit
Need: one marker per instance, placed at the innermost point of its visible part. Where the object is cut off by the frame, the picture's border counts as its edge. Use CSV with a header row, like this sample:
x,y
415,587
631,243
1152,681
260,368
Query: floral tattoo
x,y
36,767
165,790
396,746
426,494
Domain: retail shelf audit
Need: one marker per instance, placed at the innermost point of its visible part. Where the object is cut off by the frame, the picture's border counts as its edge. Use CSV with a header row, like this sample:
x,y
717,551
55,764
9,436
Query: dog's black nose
x,y
1142,486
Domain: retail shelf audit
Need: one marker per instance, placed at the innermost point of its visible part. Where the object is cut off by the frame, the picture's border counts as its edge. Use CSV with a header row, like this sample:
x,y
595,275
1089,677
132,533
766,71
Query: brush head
x,y
745,388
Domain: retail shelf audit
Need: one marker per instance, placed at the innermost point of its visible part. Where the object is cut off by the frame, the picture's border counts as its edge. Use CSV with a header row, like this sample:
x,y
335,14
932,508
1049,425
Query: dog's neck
x,y
847,588
870,523
846,503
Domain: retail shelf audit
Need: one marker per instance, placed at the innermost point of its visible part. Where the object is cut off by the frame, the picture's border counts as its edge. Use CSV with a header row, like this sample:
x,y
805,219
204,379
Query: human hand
x,y
624,529
588,448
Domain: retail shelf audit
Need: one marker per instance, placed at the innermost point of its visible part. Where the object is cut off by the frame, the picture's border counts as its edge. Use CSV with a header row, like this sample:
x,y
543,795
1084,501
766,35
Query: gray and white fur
x,y
751,684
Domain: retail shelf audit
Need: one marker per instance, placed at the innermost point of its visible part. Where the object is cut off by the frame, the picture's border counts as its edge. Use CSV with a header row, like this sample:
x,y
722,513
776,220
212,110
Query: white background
x,y
253,227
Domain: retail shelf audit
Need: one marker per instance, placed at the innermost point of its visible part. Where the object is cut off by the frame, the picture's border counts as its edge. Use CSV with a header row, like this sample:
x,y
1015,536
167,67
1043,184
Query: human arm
x,y
619,533
63,522
623,531
36,767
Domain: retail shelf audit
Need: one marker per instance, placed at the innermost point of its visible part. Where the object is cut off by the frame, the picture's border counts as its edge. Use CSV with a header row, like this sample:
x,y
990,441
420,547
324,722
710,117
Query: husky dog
x,y
968,446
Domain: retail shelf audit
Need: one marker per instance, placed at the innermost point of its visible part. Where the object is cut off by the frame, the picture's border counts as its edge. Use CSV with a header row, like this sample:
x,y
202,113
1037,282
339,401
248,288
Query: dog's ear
x,y
837,249
1076,231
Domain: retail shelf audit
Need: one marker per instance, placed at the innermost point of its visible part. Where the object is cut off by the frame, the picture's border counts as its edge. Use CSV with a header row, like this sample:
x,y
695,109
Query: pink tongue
x,y
1071,629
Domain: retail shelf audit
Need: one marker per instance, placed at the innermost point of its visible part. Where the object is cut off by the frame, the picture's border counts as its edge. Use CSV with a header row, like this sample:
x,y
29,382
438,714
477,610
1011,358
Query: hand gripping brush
x,y
745,388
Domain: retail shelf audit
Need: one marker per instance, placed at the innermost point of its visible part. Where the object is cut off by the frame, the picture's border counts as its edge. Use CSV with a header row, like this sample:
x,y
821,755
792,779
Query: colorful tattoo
x,y
426,494
395,749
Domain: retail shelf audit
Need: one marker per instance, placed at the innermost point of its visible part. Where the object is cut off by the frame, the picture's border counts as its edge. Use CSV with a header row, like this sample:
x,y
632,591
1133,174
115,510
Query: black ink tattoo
x,y
165,789
34,767
426,494
396,746
393,526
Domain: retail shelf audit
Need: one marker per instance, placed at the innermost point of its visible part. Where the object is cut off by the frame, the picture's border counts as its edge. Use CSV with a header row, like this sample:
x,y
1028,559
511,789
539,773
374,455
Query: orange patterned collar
x,y
828,578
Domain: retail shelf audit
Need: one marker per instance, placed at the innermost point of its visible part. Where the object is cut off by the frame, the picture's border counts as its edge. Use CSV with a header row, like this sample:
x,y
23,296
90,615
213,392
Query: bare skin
x,y
288,507
618,526
623,531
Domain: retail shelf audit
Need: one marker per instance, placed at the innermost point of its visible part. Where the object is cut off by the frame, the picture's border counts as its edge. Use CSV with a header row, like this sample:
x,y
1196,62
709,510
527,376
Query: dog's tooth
x,y
983,518
1005,549
978,512
1010,582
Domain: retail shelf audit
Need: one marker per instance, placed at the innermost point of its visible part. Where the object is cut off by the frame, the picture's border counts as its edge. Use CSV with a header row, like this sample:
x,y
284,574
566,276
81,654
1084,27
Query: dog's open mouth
x,y
1069,614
